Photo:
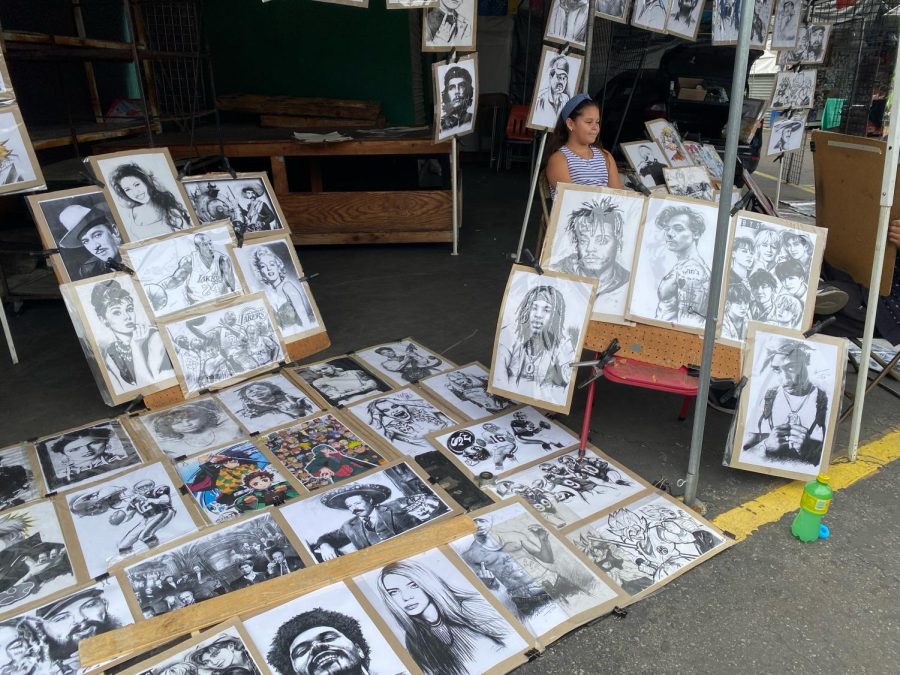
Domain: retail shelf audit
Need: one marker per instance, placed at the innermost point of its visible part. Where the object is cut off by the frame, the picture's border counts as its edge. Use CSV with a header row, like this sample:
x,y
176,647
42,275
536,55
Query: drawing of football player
x,y
527,431
499,445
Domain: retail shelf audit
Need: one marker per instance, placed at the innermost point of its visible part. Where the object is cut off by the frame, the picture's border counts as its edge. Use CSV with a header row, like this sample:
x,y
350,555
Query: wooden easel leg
x,y
8,335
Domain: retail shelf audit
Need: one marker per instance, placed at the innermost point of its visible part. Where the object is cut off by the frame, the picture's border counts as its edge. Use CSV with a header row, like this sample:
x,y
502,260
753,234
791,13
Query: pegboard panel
x,y
296,350
662,347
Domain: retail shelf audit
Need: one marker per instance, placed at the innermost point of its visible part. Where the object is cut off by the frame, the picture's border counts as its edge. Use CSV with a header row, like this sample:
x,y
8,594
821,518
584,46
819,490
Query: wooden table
x,y
317,216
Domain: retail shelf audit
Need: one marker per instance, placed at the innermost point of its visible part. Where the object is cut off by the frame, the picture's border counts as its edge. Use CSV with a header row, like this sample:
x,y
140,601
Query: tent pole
x,y
887,199
738,81
454,160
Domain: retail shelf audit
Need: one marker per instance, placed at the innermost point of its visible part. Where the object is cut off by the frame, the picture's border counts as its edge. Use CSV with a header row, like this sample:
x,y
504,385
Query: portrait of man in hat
x,y
84,454
786,136
555,92
225,654
790,420
256,214
86,236
449,24
374,519
320,642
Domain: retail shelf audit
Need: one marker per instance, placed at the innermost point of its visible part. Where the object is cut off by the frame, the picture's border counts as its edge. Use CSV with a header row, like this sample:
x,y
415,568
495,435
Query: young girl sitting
x,y
578,157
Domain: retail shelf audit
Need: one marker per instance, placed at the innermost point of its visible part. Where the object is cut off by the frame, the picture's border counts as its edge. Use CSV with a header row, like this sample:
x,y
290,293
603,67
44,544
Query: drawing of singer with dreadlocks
x,y
540,350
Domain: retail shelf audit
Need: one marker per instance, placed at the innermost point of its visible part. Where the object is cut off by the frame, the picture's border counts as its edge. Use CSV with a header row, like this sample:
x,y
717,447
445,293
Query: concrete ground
x,y
768,604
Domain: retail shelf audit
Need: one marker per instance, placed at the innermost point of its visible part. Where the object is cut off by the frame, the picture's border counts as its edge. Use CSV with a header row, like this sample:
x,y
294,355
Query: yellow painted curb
x,y
745,519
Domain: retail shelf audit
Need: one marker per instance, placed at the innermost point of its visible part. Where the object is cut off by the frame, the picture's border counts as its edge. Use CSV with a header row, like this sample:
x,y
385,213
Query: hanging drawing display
x,y
786,30
270,265
130,513
645,543
670,286
593,233
410,4
415,594
726,17
403,362
647,160
567,22
321,451
182,270
19,168
6,90
235,480
266,402
84,454
217,347
464,391
566,488
794,90
189,428
650,15
613,10
812,46
773,274
689,181
35,561
789,408
47,638
503,442
455,94
124,348
684,18
146,197
247,200
759,29
220,650
557,82
219,561
402,418
365,512
712,161
669,141
18,477
291,636
786,133
79,224
341,380
541,330
450,25
536,576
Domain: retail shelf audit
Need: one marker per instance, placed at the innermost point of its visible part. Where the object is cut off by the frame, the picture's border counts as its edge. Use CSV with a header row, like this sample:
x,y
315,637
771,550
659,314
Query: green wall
x,y
307,48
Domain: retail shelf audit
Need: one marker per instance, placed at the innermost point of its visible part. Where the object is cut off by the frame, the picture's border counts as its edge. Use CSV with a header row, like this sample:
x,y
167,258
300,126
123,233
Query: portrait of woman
x,y
445,628
136,356
191,427
265,402
147,208
766,247
291,306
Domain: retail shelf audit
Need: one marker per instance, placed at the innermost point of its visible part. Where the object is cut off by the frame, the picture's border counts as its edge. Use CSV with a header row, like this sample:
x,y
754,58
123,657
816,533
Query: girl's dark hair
x,y
560,135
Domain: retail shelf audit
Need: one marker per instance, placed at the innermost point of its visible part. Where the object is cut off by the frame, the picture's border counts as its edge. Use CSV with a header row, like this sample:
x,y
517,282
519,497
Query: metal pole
x,y
455,195
738,81
780,180
589,41
9,340
887,199
536,171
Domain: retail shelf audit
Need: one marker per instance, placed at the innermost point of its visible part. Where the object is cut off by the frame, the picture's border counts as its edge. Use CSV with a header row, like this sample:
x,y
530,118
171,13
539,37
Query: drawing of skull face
x,y
393,410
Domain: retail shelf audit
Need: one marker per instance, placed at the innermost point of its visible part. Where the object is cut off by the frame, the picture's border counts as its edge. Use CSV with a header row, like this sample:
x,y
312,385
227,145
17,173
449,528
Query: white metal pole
x,y
780,181
887,199
534,179
8,334
454,159
588,48
738,80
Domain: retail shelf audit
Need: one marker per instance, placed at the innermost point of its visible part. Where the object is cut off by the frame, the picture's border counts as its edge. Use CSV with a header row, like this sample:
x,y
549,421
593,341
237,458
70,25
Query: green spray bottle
x,y
814,503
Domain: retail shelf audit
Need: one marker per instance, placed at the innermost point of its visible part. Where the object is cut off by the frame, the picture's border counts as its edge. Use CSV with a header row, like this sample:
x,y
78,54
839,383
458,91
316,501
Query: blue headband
x,y
573,103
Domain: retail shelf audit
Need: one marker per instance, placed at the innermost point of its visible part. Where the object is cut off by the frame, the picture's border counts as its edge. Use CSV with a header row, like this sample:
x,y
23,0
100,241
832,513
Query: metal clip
x,y
307,277
819,325
91,178
119,267
239,234
227,165
453,58
597,365
135,403
185,170
532,261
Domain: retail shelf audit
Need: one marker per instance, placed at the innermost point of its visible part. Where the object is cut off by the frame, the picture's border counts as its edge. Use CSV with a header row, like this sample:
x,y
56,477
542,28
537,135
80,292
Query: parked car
x,y
655,96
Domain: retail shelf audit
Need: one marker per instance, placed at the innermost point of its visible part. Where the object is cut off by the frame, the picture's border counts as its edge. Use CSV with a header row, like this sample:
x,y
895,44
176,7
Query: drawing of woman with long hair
x,y
292,308
136,357
150,209
445,627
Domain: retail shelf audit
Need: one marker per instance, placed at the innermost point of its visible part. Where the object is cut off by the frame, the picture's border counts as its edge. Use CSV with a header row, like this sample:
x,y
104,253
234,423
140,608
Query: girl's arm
x,y
557,169
615,181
